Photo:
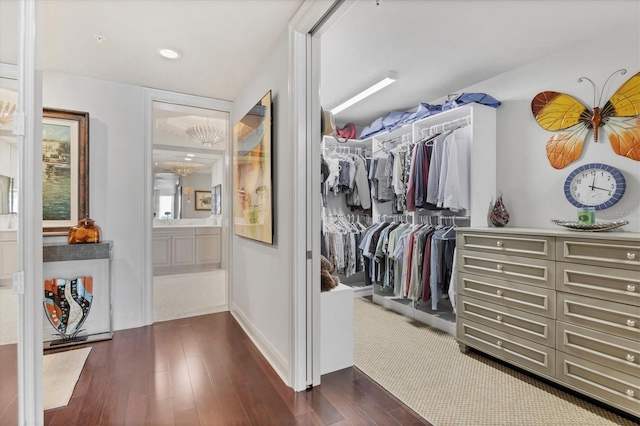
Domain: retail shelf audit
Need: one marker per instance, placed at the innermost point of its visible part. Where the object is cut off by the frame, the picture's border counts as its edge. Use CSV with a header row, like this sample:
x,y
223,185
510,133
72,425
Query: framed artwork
x,y
203,200
216,200
65,169
252,180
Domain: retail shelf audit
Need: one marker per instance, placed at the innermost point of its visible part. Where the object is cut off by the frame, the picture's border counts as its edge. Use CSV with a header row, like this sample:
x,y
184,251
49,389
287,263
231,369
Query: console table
x,y
63,252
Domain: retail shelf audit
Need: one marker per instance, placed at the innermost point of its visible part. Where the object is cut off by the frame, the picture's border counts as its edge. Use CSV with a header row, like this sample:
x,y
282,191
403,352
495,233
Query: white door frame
x,y
151,96
29,113
305,30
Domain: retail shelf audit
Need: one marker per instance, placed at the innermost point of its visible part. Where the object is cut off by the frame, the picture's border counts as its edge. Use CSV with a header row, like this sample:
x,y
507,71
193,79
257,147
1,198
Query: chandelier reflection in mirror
x,y
205,135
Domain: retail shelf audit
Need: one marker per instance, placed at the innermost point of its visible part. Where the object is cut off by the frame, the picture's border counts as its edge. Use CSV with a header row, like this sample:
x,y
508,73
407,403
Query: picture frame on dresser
x,y
65,169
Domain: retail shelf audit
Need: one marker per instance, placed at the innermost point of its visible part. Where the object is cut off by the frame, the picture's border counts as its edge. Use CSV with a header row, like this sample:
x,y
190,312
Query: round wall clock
x,y
594,185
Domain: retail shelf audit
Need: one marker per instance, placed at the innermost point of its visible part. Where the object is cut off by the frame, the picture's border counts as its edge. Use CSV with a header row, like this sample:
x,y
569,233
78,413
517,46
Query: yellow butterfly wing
x,y
557,111
626,101
621,119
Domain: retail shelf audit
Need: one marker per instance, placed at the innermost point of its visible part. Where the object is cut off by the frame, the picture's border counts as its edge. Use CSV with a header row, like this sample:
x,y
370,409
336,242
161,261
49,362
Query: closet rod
x,y
434,128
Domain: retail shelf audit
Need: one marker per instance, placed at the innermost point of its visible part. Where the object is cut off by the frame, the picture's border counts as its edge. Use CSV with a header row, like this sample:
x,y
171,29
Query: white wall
x,y
533,190
262,273
117,178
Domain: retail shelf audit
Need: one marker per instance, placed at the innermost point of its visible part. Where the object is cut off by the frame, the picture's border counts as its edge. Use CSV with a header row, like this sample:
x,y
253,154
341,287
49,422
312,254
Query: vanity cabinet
x,y
563,305
186,246
8,255
208,243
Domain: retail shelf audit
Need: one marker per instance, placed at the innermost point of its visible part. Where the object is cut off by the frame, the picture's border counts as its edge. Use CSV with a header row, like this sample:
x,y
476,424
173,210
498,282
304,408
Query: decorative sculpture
x,y
620,119
499,215
67,304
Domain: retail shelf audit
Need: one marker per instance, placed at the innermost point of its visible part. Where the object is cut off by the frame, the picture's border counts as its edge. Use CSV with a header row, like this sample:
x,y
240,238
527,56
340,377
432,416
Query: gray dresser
x,y
563,305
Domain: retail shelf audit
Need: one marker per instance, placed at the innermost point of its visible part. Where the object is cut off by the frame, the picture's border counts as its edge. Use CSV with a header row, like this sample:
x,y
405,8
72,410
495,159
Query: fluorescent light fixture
x,y
187,159
386,80
168,53
191,155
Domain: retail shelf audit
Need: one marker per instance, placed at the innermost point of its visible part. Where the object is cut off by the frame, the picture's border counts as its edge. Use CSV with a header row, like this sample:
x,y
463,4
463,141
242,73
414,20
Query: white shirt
x,y
456,187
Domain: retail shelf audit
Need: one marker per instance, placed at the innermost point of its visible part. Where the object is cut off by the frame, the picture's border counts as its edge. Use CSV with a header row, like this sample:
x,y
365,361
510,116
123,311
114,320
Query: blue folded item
x,y
480,98
396,119
372,129
424,110
393,120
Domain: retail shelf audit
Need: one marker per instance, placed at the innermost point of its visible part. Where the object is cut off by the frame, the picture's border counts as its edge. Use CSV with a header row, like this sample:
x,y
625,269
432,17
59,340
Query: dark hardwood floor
x,y
205,371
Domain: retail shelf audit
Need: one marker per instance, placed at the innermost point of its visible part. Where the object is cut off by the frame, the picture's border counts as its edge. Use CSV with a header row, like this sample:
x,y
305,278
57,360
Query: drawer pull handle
x,y
499,243
631,256
631,358
499,267
499,343
631,323
631,287
499,318
499,292
630,393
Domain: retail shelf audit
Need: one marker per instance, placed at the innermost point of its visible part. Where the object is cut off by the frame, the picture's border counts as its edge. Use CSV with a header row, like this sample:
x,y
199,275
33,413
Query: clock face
x,y
595,184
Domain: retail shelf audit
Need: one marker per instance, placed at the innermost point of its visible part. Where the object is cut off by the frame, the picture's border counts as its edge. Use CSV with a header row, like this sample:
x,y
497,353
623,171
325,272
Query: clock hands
x,y
593,184
602,189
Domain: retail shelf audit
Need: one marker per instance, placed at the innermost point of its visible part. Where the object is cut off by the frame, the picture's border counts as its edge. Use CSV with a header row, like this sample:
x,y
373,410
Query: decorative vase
x,y
499,215
86,231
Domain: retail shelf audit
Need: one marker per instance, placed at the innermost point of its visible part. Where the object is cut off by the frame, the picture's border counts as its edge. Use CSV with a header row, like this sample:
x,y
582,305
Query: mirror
x,y
188,143
8,148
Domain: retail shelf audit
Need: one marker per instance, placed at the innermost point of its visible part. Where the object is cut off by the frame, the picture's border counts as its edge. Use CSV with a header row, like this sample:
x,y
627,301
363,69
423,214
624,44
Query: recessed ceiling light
x,y
168,53
191,155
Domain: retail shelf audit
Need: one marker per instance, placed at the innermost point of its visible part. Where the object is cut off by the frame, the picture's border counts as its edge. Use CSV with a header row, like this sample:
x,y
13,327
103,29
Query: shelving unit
x,y
482,120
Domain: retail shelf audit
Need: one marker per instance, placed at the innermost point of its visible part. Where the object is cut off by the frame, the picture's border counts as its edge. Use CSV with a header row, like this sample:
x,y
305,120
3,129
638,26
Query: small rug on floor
x,y
61,372
424,368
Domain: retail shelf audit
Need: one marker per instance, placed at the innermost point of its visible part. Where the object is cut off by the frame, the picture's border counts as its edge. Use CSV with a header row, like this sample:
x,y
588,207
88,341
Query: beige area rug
x,y
60,375
424,368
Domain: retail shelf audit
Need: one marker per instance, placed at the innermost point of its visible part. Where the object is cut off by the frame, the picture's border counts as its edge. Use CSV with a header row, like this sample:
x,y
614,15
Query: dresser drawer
x,y
523,270
512,244
536,300
613,386
618,285
608,317
623,254
513,321
516,350
615,352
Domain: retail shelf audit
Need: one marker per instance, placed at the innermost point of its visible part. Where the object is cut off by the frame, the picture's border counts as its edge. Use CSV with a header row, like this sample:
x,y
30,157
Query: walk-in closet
x,y
428,140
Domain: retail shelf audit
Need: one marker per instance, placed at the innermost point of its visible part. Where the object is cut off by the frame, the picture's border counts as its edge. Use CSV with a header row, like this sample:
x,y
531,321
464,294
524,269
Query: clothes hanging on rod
x,y
340,239
348,175
413,261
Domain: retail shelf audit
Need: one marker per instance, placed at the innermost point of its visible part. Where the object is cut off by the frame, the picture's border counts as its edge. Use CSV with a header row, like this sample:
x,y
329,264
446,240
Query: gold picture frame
x,y
65,169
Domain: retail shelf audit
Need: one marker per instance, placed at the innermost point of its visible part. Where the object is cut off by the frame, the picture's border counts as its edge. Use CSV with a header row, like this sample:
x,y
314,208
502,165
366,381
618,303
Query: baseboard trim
x,y
272,355
127,323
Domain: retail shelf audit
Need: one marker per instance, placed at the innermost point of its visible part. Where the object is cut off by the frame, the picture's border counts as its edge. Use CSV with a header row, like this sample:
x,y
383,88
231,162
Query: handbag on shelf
x,y
346,133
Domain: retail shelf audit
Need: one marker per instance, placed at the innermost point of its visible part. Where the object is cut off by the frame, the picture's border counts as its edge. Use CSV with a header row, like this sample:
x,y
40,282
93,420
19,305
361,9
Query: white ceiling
x,y
221,41
436,47
440,47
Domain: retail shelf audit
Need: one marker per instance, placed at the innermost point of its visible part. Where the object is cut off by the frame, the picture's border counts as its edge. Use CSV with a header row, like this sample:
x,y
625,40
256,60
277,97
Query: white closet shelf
x,y
330,141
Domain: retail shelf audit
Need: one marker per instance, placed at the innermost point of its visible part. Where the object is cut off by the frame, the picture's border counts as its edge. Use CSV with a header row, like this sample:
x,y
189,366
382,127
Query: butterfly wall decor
x,y
619,118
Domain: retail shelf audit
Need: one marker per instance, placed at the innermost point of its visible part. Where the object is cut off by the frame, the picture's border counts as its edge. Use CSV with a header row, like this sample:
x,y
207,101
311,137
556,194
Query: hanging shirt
x,y
435,166
411,190
456,188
